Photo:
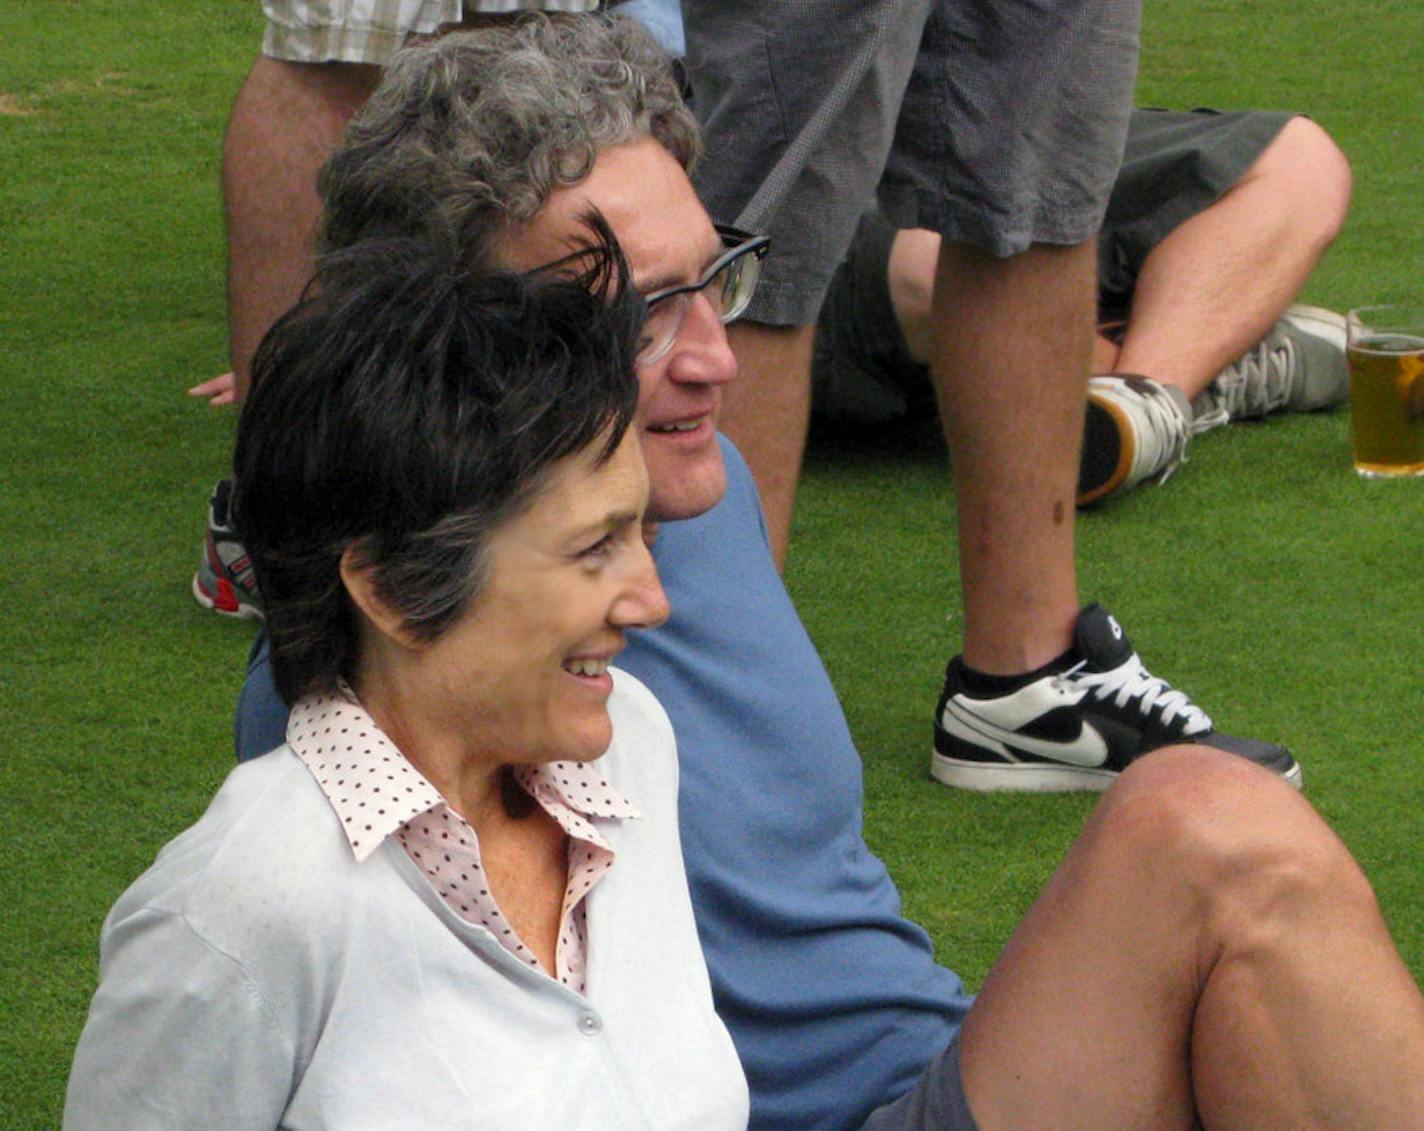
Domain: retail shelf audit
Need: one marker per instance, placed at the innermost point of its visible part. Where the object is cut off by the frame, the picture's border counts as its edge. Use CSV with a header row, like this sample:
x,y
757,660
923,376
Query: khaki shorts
x,y
371,31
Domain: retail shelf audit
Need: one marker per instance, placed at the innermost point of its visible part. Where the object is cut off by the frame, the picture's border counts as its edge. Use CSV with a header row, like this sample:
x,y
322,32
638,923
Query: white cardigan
x,y
256,976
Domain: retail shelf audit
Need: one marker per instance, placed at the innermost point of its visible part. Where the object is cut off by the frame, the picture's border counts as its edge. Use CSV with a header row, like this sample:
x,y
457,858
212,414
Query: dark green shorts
x,y
1177,164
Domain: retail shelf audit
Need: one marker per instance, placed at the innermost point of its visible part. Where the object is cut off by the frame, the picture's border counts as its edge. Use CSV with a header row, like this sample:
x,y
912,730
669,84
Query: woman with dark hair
x,y
456,896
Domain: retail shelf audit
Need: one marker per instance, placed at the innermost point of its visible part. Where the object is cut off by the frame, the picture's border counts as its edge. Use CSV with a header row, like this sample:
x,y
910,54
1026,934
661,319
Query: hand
x,y
220,390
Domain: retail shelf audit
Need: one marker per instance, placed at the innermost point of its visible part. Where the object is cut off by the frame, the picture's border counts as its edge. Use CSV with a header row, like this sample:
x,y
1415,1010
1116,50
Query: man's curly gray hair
x,y
474,130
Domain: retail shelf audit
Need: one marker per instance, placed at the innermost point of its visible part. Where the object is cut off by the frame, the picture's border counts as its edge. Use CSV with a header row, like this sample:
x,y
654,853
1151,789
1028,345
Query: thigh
x,y
1014,120
1177,164
798,100
1086,1018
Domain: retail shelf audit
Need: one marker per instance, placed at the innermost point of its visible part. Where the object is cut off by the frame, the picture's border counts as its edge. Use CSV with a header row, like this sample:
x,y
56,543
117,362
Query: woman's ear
x,y
358,576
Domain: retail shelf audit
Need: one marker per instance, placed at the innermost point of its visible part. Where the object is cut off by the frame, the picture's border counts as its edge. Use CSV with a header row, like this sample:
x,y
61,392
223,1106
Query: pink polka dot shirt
x,y
376,793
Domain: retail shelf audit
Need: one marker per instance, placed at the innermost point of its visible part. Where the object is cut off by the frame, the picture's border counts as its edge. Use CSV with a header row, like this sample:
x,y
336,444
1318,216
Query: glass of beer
x,y
1385,350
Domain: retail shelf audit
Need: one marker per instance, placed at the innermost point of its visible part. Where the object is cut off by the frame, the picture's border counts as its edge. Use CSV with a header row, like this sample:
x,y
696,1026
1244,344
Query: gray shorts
x,y
996,122
1177,164
936,1103
371,31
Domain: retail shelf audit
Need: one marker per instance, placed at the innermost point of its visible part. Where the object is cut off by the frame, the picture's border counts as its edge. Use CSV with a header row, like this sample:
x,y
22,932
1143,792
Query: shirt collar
x,y
374,789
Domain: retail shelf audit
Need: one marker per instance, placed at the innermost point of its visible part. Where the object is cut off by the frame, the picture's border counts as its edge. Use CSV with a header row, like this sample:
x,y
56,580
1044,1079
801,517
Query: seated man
x,y
1185,961
1213,226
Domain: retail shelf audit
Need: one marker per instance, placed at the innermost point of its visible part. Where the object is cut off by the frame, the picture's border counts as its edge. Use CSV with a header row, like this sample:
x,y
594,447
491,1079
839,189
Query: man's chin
x,y
685,488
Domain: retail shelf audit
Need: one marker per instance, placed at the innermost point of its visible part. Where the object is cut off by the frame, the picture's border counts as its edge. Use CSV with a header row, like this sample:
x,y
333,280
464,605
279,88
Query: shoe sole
x,y
225,604
1018,777
1332,318
1035,777
1108,451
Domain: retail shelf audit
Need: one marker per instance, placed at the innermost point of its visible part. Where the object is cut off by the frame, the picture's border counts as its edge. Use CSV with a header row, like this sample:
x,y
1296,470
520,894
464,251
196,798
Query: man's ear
x,y
358,576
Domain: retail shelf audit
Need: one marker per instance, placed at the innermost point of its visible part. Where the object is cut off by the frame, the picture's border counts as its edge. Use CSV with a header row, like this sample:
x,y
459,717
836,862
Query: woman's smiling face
x,y
523,671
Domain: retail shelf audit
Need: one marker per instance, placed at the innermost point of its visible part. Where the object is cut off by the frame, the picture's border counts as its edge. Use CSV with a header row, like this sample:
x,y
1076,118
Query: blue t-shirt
x,y
833,998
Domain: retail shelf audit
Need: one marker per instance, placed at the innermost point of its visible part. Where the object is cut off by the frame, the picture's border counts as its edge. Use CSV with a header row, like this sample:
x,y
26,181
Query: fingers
x,y
220,390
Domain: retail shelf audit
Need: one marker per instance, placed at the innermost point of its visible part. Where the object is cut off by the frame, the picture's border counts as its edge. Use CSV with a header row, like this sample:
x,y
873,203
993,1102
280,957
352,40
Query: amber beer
x,y
1386,357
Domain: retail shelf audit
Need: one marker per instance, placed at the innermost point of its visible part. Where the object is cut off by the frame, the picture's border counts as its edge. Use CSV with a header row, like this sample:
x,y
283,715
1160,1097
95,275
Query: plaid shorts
x,y
371,31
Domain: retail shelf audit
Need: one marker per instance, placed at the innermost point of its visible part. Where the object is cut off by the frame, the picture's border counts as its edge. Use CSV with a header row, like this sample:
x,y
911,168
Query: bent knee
x,y
1228,828
1308,157
910,278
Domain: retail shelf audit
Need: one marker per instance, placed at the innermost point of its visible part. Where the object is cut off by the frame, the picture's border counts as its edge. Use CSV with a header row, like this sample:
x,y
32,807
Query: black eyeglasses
x,y
728,284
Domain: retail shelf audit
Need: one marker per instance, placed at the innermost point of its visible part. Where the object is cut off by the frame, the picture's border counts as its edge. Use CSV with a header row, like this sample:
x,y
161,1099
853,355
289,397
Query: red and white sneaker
x,y
224,581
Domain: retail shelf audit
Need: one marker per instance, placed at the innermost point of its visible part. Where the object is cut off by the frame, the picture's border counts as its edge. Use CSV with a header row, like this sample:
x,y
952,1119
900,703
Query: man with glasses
x,y
1206,908
1011,157
728,284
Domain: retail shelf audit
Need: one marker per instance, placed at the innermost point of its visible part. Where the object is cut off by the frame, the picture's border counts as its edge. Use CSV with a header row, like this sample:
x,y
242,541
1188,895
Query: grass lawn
x,y
1282,592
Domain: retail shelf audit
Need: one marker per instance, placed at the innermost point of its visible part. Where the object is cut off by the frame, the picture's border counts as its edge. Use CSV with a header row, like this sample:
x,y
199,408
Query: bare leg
x,y
1207,951
1217,283
1009,359
914,258
285,120
766,412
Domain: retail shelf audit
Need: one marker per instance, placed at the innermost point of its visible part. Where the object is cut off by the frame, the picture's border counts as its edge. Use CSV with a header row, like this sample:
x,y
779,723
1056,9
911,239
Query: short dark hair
x,y
406,407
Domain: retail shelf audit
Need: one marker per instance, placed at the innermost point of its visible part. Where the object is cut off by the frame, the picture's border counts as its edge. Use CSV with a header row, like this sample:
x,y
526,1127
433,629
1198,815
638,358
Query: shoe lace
x,y
1163,437
1257,383
1131,680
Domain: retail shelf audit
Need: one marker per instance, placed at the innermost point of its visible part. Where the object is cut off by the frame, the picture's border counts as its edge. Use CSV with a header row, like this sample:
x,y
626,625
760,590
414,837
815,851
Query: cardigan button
x,y
590,1024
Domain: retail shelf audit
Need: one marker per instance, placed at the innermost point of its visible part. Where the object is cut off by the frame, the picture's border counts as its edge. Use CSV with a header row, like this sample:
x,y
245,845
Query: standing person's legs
x,y
319,62
317,66
1018,190
1044,695
799,101
286,119
1011,396
1023,171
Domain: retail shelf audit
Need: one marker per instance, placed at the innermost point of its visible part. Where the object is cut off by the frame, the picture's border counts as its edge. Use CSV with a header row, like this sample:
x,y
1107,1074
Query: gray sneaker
x,y
1299,366
1135,429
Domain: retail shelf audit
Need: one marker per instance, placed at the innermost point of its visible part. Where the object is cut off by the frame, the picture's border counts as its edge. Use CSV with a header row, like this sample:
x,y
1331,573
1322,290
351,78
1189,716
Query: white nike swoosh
x,y
1089,748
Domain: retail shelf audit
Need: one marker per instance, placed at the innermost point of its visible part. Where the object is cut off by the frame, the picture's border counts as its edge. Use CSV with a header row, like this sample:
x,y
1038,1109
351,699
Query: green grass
x,y
1282,592
1264,578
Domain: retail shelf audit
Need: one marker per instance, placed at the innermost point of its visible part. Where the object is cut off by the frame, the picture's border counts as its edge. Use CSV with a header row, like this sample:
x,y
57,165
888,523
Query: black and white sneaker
x,y
1076,729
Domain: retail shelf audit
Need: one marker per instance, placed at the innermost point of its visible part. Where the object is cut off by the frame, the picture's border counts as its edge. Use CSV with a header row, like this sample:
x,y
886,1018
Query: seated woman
x,y
455,898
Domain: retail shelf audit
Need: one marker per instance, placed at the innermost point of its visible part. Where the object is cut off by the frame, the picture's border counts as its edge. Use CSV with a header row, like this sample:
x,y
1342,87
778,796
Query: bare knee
x,y
911,272
1312,174
1245,847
